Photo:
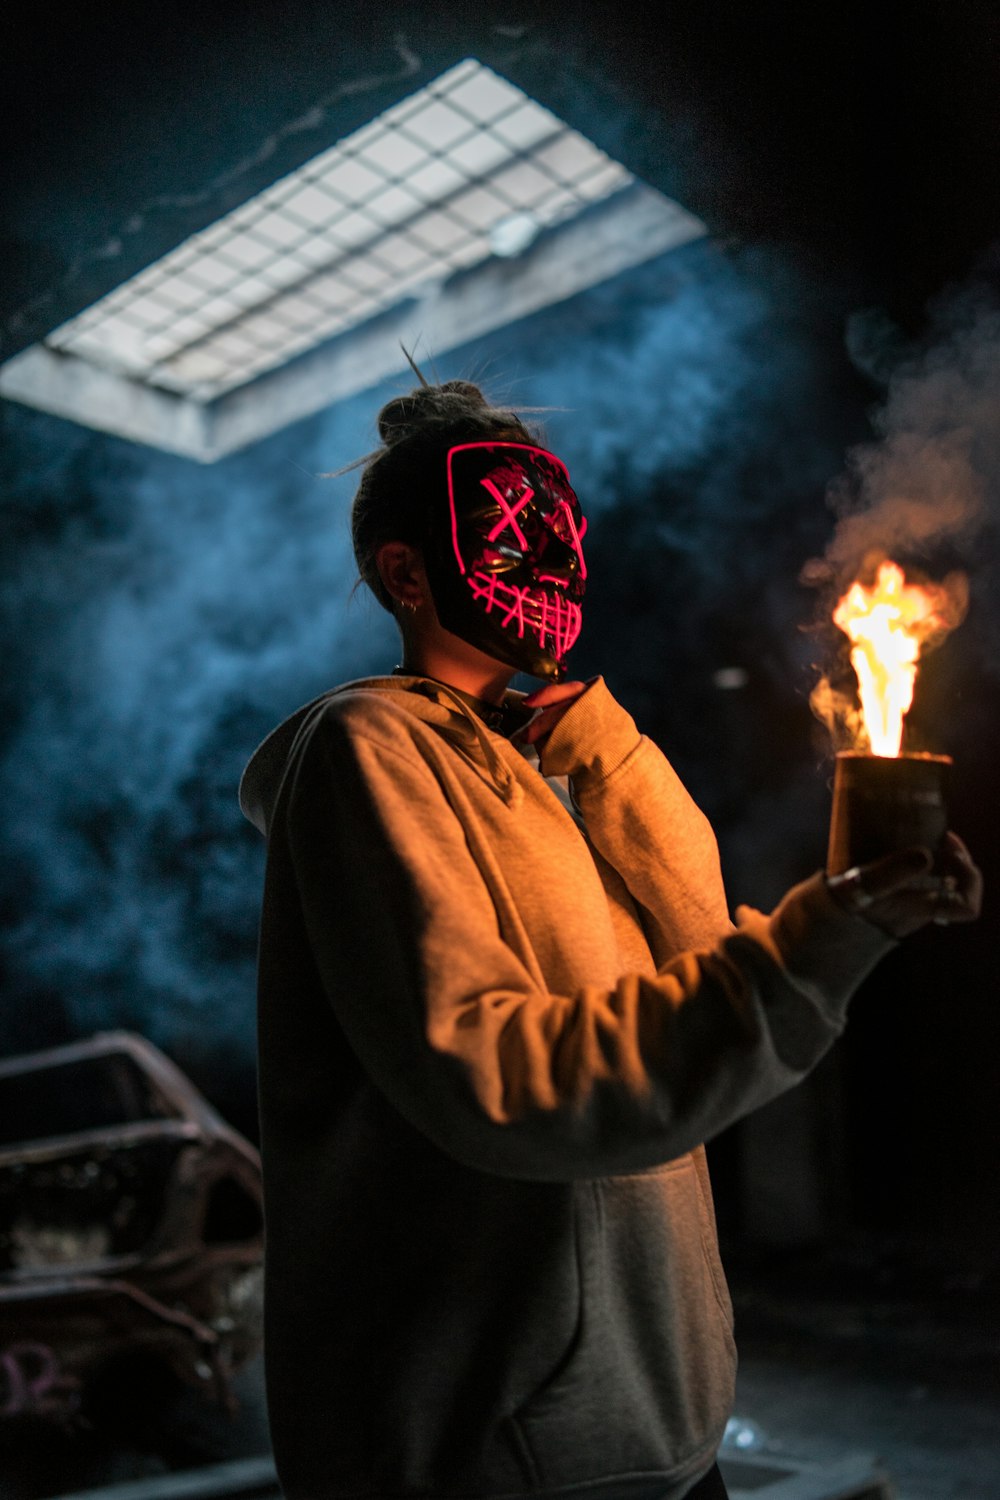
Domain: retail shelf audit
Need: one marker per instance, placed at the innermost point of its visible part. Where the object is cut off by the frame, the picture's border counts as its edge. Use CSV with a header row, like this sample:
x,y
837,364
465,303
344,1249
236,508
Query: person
x,y
501,1008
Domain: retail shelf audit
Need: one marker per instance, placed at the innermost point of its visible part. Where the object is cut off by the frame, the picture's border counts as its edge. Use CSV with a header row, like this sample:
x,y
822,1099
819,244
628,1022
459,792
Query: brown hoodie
x,y
493,1037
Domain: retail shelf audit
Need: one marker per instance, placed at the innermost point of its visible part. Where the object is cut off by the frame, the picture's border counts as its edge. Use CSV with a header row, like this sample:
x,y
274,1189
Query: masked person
x,y
501,1008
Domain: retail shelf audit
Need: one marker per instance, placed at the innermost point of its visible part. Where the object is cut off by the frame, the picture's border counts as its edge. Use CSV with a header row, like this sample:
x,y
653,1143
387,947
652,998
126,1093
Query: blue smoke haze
x,y
158,617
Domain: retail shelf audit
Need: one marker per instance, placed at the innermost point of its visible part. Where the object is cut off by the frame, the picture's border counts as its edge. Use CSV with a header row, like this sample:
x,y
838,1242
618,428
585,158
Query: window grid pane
x,y
409,197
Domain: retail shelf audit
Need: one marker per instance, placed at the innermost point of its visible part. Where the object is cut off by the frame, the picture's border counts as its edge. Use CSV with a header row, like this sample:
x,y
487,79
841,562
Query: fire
x,y
889,624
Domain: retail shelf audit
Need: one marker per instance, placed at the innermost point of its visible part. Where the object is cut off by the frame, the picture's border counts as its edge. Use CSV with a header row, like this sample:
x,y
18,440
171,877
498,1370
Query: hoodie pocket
x,y
646,1385
709,1236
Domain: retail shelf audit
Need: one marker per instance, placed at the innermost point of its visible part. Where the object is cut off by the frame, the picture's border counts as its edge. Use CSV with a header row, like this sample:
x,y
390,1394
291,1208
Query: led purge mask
x,y
506,568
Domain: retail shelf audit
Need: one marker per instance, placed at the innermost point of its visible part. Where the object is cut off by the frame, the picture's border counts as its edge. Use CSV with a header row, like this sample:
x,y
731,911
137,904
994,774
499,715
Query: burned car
x,y
130,1225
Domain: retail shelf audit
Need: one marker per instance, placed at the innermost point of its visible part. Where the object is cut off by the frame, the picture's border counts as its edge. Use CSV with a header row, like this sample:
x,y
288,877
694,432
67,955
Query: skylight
x,y
438,183
458,210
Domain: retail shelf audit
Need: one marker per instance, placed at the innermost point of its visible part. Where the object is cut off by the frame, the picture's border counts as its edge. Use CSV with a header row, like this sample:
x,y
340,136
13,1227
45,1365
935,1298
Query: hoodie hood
x,y
444,707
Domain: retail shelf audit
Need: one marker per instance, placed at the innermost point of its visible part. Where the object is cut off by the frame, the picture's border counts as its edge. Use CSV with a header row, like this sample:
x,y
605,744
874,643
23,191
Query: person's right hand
x,y
551,702
895,895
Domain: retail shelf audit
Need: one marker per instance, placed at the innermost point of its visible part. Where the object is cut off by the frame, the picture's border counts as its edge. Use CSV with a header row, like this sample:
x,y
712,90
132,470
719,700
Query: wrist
x,y
592,739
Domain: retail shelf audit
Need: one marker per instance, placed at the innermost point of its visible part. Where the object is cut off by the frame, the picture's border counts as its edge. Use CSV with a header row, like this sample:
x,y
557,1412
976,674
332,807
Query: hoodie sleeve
x,y
500,1073
642,819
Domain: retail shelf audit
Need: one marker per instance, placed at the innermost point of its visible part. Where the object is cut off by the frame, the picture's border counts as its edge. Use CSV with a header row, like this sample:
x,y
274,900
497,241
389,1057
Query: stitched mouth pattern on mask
x,y
548,616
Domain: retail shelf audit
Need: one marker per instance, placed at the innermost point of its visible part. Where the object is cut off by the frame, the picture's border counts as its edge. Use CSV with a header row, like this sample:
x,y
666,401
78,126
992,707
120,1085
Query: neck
x,y
469,670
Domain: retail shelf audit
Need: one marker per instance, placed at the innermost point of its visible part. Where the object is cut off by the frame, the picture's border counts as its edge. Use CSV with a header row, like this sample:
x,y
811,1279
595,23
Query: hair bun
x,y
429,406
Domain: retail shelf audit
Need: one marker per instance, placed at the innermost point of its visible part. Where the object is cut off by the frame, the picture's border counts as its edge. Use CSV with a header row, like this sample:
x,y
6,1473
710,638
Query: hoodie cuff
x,y
592,739
825,950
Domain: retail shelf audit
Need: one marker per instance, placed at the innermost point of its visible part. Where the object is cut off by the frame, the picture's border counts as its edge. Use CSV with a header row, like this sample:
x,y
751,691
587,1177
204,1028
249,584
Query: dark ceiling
x,y
864,135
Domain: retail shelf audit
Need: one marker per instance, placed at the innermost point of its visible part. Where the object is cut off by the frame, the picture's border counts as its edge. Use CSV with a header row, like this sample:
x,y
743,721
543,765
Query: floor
x,y
876,1350
862,1351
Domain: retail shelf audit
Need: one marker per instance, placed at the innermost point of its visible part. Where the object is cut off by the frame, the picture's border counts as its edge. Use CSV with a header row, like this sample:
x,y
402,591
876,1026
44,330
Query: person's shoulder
x,y
371,708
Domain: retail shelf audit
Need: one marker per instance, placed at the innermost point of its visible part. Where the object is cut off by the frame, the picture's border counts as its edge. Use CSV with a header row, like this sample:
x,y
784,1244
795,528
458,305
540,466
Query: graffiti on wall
x,y
33,1383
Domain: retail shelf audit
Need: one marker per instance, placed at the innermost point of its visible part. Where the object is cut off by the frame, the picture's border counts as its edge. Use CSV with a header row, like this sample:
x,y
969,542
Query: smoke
x,y
665,369
925,490
159,617
932,475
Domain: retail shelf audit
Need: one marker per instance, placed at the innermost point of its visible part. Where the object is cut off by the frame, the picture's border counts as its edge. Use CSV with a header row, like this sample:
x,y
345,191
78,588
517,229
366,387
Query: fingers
x,y
551,703
542,724
960,895
553,692
899,894
859,888
956,861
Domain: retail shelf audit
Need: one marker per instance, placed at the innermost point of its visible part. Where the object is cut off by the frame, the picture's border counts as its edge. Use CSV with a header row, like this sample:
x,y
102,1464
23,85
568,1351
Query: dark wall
x,y
864,134
157,616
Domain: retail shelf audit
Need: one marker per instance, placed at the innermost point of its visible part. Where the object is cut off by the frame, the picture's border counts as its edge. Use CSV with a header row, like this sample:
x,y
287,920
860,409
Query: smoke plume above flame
x,y
925,492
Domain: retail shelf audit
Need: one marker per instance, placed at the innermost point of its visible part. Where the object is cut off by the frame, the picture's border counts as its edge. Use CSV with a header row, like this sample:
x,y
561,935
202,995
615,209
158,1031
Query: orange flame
x,y
889,624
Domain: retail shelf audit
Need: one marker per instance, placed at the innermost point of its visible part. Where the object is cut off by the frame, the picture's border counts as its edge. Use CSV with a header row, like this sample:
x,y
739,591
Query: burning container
x,y
130,1224
885,799
885,803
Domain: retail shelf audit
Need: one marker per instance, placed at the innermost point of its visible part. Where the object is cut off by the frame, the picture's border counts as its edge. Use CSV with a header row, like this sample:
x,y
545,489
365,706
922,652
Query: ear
x,y
401,569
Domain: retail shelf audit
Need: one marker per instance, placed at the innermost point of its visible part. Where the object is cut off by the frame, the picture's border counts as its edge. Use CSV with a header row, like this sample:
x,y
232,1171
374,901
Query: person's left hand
x,y
551,701
895,894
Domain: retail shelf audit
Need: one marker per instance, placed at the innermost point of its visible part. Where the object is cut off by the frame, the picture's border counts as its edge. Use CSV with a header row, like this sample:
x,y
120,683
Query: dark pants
x,y
709,1487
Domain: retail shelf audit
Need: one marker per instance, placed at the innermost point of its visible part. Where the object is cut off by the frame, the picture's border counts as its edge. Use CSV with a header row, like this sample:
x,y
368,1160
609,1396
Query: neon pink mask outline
x,y
488,591
509,513
462,448
546,614
576,535
517,608
564,628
